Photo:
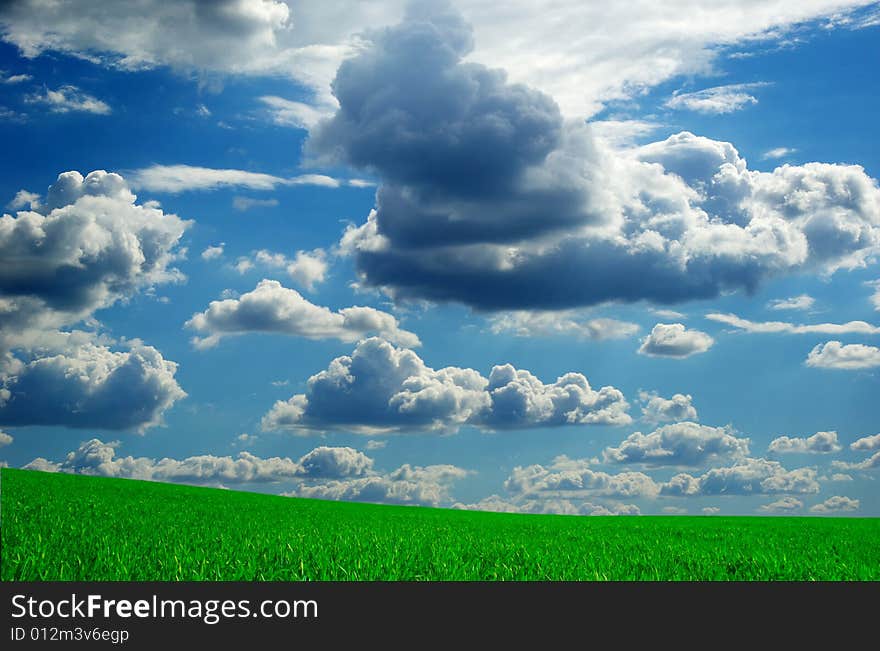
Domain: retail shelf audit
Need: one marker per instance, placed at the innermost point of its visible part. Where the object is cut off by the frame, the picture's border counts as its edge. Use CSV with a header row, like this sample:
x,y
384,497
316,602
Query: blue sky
x,y
664,243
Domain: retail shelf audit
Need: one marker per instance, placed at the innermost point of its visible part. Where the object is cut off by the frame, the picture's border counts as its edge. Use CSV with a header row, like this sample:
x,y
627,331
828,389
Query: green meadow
x,y
65,527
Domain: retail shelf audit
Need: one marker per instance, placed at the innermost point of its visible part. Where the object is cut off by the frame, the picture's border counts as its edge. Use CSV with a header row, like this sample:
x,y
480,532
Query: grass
x,y
65,527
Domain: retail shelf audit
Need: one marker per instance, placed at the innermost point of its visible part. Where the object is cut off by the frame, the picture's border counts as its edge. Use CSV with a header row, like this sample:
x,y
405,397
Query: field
x,y
63,527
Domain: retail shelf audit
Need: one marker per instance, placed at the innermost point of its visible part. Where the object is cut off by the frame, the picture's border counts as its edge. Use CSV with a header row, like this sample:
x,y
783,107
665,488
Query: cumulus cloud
x,y
86,246
324,462
717,100
870,463
94,457
412,485
24,199
569,478
679,444
818,443
711,510
272,308
69,99
174,179
213,252
78,382
656,409
5,439
784,505
746,477
498,504
306,268
675,340
525,323
802,302
866,443
836,504
89,245
769,327
490,198
833,354
381,388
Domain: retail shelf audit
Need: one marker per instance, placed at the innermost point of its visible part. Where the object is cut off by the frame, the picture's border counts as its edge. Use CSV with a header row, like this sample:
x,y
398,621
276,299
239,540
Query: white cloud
x,y
87,246
834,354
94,457
778,152
287,113
526,323
582,54
327,462
9,116
13,79
571,478
306,268
669,315
784,505
710,510
622,134
746,477
24,199
174,179
67,99
498,504
717,100
836,504
870,463
90,232
381,388
373,444
674,510
841,477
656,409
802,302
675,340
679,444
272,308
243,204
5,439
213,252
771,327
425,485
866,443
78,382
875,298
818,443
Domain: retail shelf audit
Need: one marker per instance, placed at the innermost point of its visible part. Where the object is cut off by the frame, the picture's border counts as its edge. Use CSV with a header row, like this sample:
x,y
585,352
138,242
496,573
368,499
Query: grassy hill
x,y
64,527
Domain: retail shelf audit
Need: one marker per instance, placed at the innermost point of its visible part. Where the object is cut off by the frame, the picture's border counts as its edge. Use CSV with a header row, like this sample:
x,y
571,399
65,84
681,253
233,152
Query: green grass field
x,y
63,527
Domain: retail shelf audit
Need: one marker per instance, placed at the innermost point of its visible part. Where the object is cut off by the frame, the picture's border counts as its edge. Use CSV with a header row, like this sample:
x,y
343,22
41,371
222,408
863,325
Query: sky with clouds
x,y
537,257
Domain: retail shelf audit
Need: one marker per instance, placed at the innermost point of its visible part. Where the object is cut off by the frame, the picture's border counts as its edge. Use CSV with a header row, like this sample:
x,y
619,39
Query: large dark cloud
x,y
489,198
